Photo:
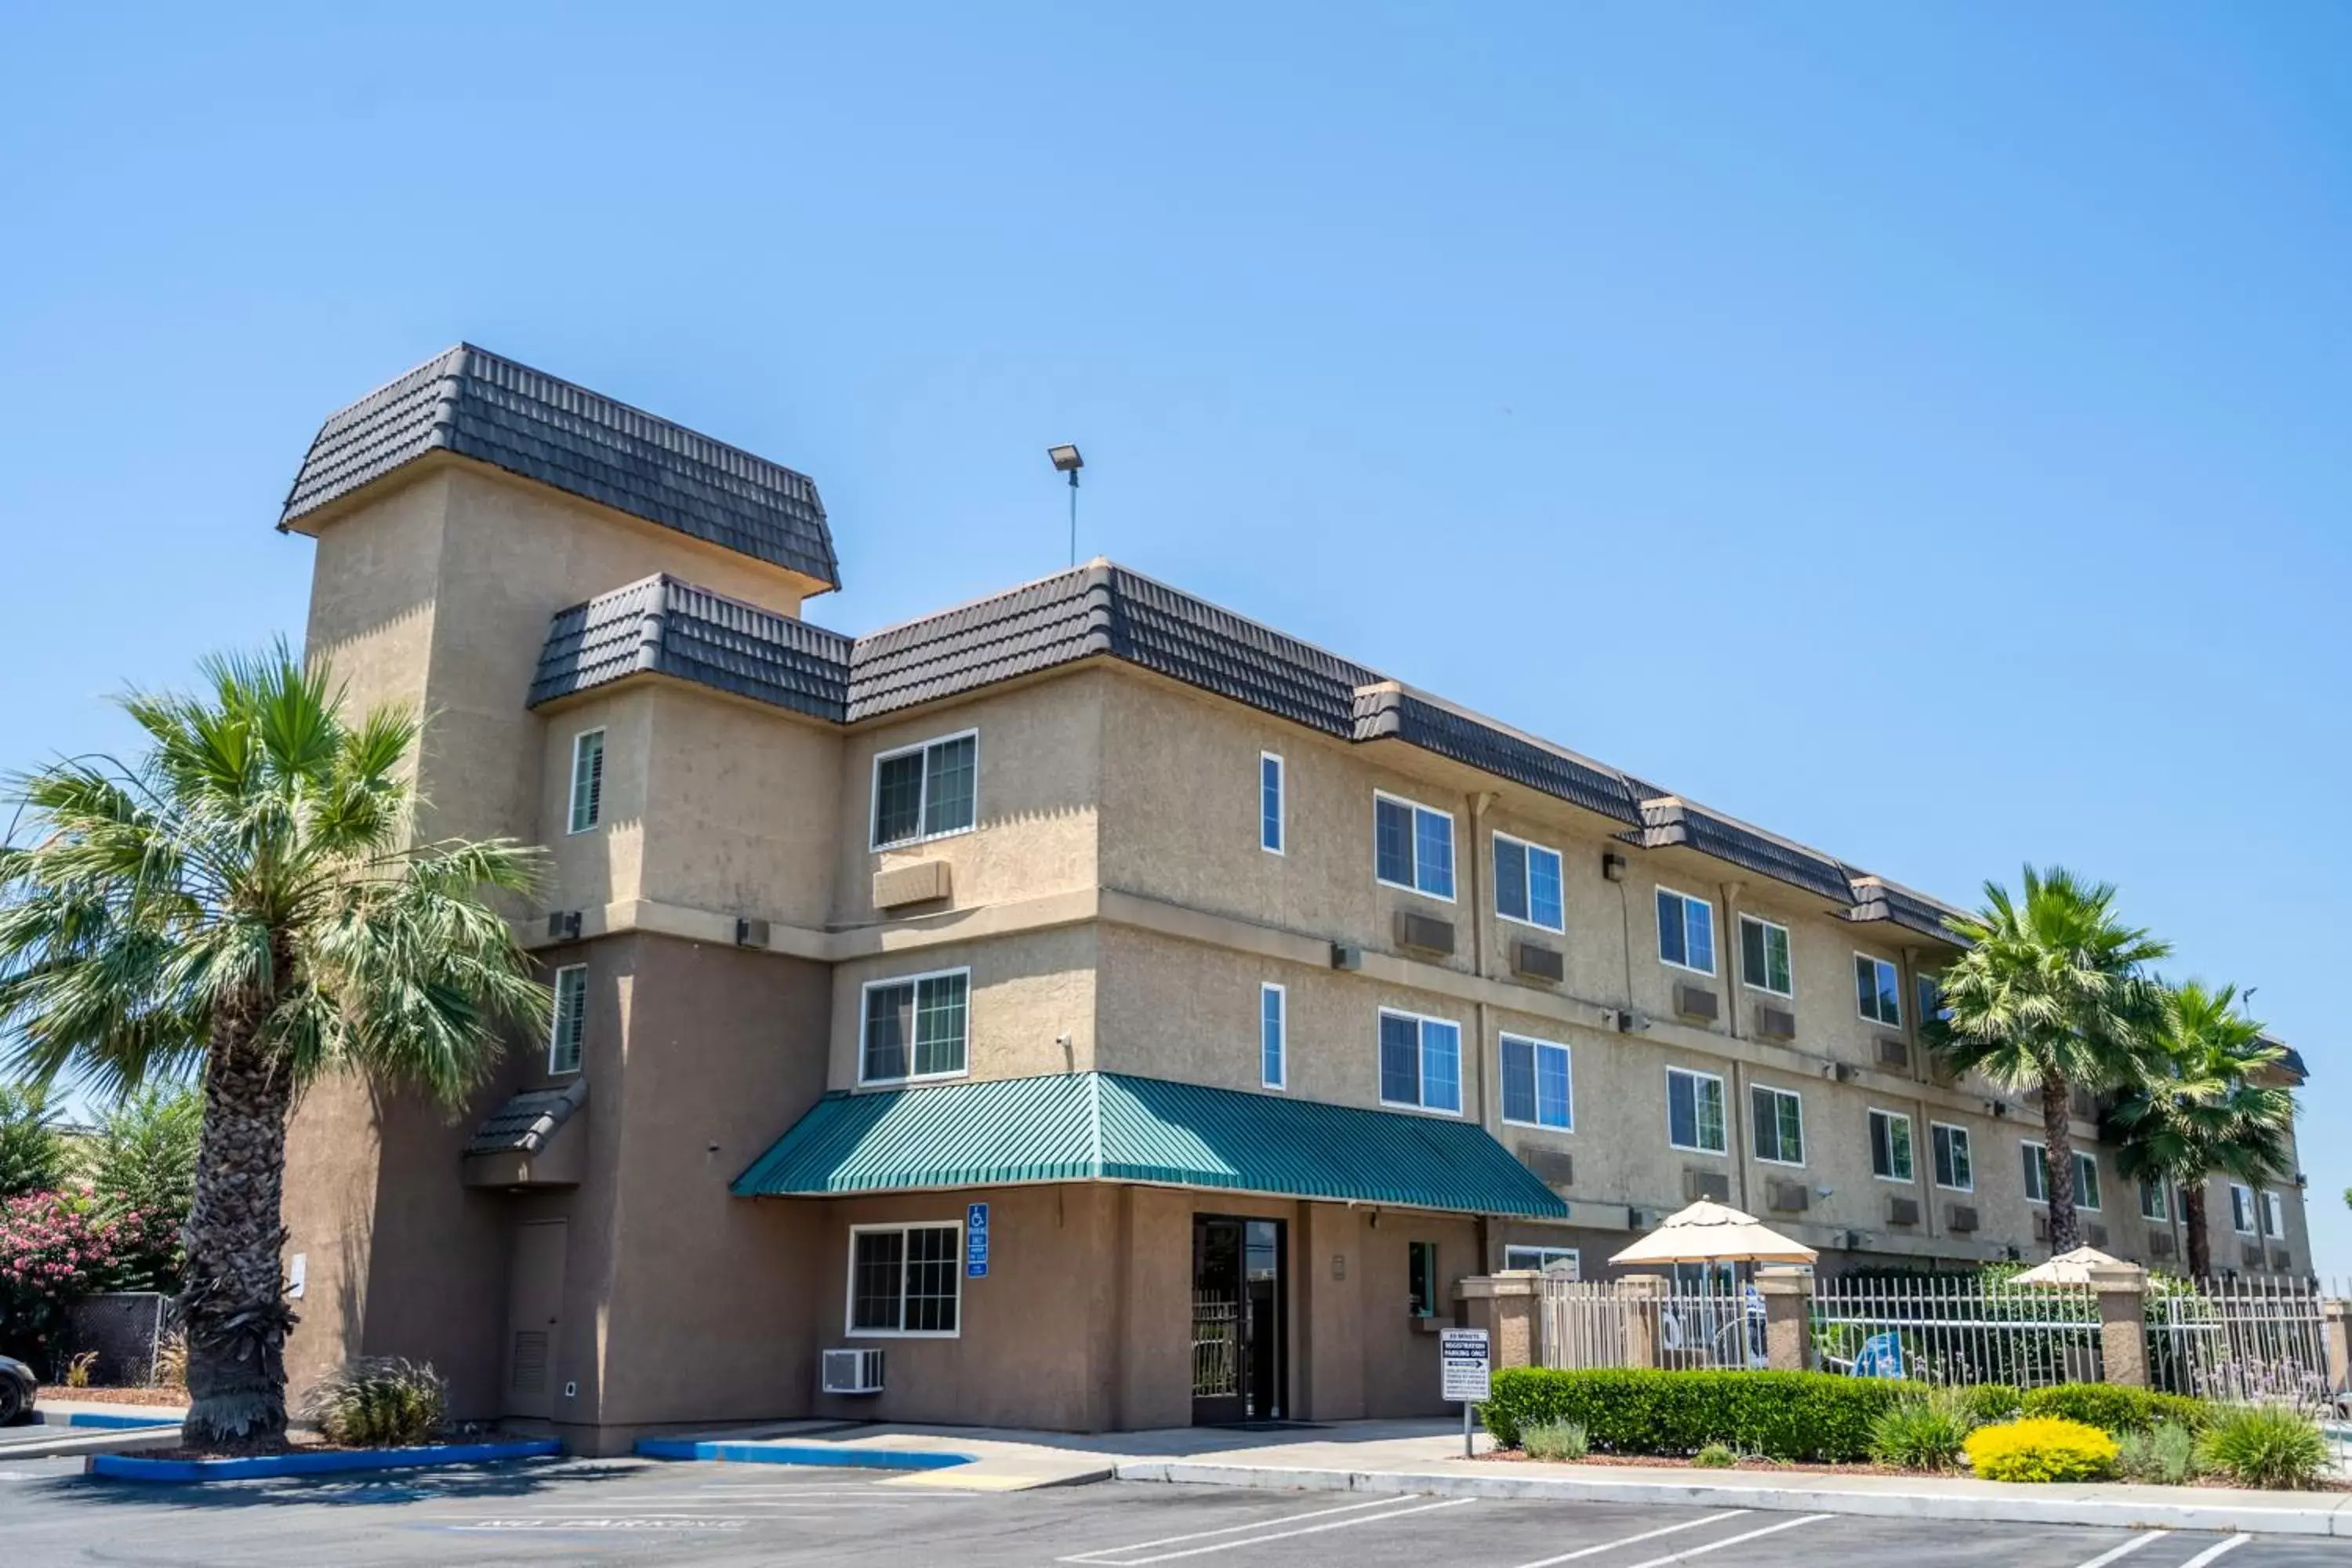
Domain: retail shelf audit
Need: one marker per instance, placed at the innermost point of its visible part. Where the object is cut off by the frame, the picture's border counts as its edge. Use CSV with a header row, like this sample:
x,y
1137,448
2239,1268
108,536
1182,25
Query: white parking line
x,y
1631,1539
2127,1549
1233,1529
2216,1550
1730,1540
1285,1534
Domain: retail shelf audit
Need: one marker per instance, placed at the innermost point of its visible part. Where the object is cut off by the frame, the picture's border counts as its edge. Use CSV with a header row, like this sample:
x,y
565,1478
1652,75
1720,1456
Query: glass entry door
x,y
1238,1319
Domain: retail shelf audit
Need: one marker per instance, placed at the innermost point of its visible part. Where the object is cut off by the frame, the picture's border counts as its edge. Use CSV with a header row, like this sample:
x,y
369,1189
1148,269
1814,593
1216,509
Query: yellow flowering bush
x,y
2041,1448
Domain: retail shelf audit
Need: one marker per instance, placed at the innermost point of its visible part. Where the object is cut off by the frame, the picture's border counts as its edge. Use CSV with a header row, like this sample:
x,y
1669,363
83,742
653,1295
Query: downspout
x,y
1736,1097
1917,1032
1490,1068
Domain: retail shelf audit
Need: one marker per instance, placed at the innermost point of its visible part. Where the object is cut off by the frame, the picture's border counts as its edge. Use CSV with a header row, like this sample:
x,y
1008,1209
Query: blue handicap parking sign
x,y
975,1242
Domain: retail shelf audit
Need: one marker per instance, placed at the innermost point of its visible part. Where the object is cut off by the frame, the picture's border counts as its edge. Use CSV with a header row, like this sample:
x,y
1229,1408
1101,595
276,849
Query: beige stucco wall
x,y
1027,991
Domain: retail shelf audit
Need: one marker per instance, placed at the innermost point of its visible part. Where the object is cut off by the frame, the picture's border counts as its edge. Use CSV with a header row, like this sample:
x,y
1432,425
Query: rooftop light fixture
x,y
1066,461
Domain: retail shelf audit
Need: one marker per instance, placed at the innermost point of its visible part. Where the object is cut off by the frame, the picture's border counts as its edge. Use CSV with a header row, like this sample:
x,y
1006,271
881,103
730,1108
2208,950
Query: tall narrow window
x,y
1421,1062
1413,846
1695,1110
914,1029
1890,1145
927,791
1685,930
1764,957
2151,1200
1776,1125
1878,990
2274,1215
1421,1278
1272,1032
570,1031
2037,1172
1269,803
587,780
1952,1167
1536,1083
1526,883
2241,1209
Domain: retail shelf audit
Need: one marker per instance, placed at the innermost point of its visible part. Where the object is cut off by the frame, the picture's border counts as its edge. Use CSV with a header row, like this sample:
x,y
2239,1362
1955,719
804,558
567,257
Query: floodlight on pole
x,y
1066,461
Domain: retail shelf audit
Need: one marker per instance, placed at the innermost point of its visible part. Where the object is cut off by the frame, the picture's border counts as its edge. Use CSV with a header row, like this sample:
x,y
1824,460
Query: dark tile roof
x,y
2291,1062
1389,710
661,626
474,403
1876,898
1034,627
528,1120
1670,819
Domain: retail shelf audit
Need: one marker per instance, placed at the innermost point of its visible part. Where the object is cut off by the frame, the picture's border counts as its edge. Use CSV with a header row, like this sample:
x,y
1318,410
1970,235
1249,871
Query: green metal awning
x,y
1109,1127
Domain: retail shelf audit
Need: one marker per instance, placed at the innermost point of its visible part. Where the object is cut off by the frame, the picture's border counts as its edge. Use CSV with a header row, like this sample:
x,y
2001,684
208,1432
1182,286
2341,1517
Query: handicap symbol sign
x,y
975,1242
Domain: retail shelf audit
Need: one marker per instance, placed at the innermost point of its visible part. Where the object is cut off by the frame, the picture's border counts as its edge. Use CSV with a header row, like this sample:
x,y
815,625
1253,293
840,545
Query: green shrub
x,y
1986,1402
2166,1455
385,1403
1923,1432
1715,1456
1810,1417
2041,1448
2275,1446
1560,1441
2115,1410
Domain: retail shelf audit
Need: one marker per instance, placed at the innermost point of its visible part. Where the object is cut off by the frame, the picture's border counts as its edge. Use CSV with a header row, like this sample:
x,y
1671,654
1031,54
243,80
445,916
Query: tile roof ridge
x,y
1098,562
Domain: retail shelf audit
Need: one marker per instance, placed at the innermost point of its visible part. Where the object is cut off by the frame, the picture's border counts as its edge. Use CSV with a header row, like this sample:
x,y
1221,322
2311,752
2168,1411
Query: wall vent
x,y
1893,1053
2159,1244
1553,1167
1705,1186
1775,1023
1534,961
1787,1197
1424,934
1695,1002
1902,1211
2095,1235
1963,1217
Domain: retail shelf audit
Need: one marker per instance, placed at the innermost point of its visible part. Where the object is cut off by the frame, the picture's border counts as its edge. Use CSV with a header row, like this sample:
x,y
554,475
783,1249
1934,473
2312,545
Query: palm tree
x,y
244,903
2050,996
2200,1111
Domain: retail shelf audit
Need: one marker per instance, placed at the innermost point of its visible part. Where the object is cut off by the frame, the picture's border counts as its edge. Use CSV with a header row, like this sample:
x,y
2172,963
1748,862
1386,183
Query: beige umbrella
x,y
1714,1233
2067,1268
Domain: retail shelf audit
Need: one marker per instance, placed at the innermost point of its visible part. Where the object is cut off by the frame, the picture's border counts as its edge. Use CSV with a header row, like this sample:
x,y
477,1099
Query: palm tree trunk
x,y
2192,1220
2058,1140
232,1305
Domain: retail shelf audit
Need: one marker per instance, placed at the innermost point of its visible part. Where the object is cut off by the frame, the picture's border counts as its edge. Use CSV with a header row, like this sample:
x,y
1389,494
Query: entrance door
x,y
534,1298
1239,1307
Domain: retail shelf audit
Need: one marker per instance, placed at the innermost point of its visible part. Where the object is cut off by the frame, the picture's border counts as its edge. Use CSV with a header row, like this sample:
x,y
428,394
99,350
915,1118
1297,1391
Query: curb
x,y
756,1453
107,1422
67,1443
2333,1518
122,1467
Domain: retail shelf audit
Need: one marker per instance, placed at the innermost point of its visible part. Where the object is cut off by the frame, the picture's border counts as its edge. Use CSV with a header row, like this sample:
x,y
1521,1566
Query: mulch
x,y
1660,1462
56,1393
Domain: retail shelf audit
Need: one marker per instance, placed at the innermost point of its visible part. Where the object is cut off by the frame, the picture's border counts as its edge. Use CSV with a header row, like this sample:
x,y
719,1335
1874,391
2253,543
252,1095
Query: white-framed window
x,y
1954,1169
1269,802
1776,1125
569,1032
1413,846
1567,1259
906,1281
1421,1062
1694,1112
2274,1215
1527,884
2241,1209
2037,1177
1538,1090
1273,1035
1890,1146
1878,990
2151,1199
587,780
915,1027
1764,957
929,790
1928,992
1685,931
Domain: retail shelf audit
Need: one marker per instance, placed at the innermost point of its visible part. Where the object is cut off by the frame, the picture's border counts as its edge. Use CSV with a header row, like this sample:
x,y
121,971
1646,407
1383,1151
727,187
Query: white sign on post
x,y
1463,1372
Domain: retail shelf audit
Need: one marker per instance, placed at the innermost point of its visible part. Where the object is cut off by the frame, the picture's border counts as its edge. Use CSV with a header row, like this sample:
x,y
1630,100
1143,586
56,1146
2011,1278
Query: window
x,y
563,1041
1269,803
2241,1209
1695,1110
1877,990
2151,1200
1931,997
904,1278
2086,1182
1890,1145
915,1027
2037,1177
927,790
1272,1030
2274,1215
1764,957
1526,883
587,780
1565,1258
1421,1062
1776,1125
1952,1167
1420,1277
2037,1173
1685,931
1535,1090
1413,846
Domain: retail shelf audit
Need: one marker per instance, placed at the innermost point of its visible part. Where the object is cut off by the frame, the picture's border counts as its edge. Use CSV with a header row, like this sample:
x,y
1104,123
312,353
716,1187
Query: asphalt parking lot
x,y
628,1511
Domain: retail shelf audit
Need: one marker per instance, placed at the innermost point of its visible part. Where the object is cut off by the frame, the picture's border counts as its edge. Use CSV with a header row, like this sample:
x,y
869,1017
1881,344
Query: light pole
x,y
1066,460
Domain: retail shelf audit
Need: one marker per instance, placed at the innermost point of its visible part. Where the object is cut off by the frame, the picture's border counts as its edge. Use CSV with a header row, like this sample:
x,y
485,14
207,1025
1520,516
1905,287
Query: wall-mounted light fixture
x,y
1613,865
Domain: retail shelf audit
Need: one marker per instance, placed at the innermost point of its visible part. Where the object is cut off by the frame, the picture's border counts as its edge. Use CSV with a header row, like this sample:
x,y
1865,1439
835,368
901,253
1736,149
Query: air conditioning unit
x,y
562,925
853,1371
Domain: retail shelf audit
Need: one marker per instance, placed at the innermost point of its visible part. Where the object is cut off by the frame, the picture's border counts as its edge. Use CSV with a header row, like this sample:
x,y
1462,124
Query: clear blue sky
x,y
1921,430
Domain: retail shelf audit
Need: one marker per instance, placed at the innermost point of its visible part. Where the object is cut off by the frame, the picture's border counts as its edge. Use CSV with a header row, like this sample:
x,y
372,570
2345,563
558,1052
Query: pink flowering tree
x,y
56,1248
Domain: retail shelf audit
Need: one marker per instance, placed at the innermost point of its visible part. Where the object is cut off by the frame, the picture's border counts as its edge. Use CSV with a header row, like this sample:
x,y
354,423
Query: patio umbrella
x,y
2067,1268
1714,1233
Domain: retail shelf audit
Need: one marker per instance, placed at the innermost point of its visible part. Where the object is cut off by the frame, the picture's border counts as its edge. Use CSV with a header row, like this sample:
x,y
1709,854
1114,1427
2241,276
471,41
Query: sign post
x,y
1464,1373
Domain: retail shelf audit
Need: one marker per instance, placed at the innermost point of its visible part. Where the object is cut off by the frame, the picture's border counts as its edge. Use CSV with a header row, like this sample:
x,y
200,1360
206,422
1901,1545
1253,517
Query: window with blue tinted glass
x,y
1877,991
1393,840
1685,930
1399,1059
1272,1026
1421,1062
1441,1065
1269,803
1695,1110
1432,853
1536,1091
1413,846
1527,882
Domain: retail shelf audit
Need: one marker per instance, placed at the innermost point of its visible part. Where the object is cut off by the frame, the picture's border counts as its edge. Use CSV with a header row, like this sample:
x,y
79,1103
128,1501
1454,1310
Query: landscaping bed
x,y
56,1393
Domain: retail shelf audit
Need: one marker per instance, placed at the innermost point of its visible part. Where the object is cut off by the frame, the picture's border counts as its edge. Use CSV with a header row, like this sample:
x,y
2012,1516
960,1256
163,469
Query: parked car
x,y
16,1386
